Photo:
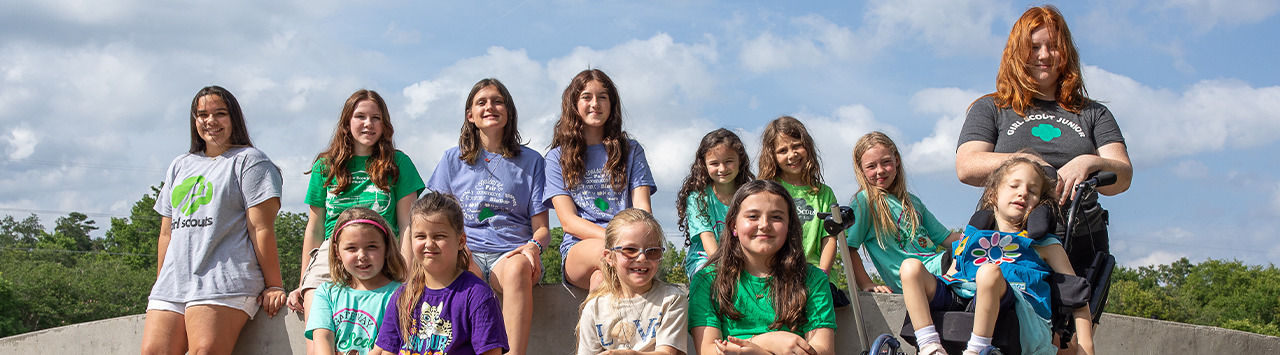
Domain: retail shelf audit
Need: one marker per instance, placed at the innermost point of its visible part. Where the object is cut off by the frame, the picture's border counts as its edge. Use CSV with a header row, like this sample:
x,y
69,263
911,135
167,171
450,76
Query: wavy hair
x,y
469,140
1047,194
431,204
612,285
1015,87
698,178
792,128
573,146
882,219
787,267
239,130
381,164
393,266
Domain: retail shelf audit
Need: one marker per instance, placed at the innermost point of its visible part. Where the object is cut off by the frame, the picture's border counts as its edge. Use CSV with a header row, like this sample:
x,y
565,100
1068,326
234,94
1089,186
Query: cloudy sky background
x,y
94,95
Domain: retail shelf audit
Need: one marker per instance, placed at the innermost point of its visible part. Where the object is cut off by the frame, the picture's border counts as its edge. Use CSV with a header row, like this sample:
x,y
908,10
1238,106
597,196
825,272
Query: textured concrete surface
x,y
556,315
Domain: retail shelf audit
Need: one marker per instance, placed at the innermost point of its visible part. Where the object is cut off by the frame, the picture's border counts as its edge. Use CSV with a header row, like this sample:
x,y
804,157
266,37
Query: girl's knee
x,y
912,268
989,274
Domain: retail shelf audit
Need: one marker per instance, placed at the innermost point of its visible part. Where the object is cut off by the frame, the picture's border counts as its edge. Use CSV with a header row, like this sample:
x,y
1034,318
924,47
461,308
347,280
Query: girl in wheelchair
x,y
1006,269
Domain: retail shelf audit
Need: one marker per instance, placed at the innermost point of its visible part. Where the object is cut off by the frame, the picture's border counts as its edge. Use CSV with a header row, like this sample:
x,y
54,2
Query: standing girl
x,y
499,184
703,200
757,295
360,168
594,170
788,156
891,222
988,266
217,250
442,308
366,269
630,310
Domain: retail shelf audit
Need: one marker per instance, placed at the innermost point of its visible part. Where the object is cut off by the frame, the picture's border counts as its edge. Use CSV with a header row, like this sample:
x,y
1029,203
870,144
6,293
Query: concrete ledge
x,y
556,315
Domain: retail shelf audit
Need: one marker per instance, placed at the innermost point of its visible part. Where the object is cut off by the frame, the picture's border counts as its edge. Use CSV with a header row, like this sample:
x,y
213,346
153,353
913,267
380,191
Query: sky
x,y
95,95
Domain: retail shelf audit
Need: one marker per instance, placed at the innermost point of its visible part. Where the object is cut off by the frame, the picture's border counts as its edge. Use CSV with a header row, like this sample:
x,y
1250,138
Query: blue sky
x,y
94,94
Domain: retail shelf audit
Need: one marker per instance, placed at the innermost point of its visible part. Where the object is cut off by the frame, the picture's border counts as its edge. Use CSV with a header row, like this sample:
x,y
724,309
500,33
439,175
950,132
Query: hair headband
x,y
365,221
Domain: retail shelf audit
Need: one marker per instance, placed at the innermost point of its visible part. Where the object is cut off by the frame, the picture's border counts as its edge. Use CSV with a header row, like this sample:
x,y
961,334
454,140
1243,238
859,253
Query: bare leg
x,y
214,329
582,267
991,289
918,287
513,277
306,311
165,333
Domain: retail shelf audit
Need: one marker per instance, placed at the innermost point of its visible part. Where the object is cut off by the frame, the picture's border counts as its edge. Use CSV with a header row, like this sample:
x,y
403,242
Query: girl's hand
x,y
872,287
735,346
531,251
620,352
780,342
295,300
272,299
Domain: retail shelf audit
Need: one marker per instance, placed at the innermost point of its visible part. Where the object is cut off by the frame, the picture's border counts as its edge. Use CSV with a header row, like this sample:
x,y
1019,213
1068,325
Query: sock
x,y
927,335
977,343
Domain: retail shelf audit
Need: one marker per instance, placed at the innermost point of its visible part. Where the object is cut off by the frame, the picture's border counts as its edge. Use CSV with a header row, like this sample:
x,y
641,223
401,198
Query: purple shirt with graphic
x,y
596,200
462,318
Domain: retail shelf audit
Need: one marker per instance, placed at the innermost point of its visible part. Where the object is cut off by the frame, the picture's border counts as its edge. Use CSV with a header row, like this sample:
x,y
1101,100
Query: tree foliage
x,y
1216,293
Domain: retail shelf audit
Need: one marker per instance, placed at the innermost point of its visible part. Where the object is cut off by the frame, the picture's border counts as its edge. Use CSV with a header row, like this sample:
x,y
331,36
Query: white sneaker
x,y
932,349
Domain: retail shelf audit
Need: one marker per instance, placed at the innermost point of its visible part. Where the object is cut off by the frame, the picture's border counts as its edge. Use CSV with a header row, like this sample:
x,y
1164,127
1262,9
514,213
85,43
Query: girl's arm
x,y
1057,259
709,243
323,340
262,231
403,221
543,236
567,212
782,342
822,340
494,351
311,239
975,160
640,198
704,339
828,256
166,233
862,278
950,241
1113,157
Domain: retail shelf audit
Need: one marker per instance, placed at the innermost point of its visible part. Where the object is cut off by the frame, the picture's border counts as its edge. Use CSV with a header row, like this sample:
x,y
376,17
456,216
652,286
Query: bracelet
x,y
535,242
275,287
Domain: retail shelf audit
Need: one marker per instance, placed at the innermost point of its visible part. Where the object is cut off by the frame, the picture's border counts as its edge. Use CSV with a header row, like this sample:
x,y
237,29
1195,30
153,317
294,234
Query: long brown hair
x,y
381,165
1047,194
1015,87
568,133
881,216
431,204
393,263
612,285
788,266
791,127
469,140
698,178
239,130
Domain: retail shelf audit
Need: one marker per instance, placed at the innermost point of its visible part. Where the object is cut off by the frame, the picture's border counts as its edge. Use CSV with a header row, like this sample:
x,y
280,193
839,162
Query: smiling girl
x,y
719,166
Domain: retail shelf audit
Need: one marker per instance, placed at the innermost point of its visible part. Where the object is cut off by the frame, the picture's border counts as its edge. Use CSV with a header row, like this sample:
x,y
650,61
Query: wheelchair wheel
x,y
885,344
990,350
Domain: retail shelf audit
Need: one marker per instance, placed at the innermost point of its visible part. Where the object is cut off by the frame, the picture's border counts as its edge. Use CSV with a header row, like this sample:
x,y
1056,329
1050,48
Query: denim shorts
x,y
486,261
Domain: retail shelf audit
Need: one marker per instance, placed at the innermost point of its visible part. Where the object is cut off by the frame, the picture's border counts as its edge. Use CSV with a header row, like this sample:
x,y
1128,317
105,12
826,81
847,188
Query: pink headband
x,y
365,221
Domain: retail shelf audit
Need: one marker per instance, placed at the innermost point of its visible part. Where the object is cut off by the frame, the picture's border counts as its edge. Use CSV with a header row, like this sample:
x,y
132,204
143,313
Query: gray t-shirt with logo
x,y
210,254
1051,131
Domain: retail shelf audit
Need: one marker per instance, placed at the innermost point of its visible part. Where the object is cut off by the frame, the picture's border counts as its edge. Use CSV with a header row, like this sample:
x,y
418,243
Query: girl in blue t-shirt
x,y
594,170
892,223
719,166
360,168
441,308
366,269
997,270
499,186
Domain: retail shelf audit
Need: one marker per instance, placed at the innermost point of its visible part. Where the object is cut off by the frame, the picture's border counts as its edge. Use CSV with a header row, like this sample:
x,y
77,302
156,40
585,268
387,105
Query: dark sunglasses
x,y
633,253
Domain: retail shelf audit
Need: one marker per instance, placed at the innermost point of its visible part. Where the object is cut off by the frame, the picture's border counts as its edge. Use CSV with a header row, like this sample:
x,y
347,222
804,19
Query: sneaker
x,y
932,349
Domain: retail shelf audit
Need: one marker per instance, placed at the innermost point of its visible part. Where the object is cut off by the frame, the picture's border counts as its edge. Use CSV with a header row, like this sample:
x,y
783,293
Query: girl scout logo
x,y
191,194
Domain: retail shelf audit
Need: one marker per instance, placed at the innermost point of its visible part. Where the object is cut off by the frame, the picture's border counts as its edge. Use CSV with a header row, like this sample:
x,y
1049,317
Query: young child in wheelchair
x,y
995,271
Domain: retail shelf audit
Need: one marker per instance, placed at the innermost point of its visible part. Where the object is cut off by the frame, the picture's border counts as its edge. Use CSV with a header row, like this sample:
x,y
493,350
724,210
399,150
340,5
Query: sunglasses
x,y
633,253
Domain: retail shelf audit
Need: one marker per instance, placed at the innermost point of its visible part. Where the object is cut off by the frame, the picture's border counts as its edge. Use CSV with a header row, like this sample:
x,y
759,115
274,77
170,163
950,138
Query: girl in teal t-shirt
x,y
360,168
892,223
757,293
366,269
719,167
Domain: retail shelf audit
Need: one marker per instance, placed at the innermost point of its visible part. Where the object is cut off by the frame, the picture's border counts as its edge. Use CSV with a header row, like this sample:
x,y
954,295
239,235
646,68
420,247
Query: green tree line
x,y
62,276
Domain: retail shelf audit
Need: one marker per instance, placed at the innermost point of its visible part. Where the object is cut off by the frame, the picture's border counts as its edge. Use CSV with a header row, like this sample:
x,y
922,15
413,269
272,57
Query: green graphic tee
x,y
362,192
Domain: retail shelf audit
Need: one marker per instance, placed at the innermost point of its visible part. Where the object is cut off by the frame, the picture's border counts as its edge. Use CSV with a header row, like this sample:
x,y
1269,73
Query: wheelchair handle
x,y
1098,179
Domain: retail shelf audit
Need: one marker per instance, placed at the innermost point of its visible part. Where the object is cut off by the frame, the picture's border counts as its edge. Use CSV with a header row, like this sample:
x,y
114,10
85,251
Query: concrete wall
x,y
556,316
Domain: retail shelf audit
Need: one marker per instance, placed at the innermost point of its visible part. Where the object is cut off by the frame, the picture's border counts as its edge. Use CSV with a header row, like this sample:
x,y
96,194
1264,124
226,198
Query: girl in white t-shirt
x,y
630,310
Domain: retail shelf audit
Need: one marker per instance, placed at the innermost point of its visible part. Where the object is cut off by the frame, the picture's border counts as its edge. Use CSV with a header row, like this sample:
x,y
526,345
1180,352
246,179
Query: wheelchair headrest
x,y
1039,223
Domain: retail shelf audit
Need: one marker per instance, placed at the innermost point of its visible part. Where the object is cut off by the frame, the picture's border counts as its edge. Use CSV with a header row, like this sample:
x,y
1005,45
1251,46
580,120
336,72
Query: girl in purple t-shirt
x,y
594,171
442,308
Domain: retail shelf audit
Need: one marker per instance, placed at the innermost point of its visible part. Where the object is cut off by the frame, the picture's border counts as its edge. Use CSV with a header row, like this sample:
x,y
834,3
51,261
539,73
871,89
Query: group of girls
x,y
388,268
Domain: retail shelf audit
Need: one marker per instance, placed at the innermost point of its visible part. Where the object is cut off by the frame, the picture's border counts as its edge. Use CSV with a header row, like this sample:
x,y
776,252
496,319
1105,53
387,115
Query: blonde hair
x,y
393,266
621,330
1047,194
882,219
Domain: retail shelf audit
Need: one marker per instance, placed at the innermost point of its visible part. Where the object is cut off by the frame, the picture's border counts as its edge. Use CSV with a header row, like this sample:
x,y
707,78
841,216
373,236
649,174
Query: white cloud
x,y
1157,258
937,152
1190,169
22,142
1207,14
767,53
1211,115
399,37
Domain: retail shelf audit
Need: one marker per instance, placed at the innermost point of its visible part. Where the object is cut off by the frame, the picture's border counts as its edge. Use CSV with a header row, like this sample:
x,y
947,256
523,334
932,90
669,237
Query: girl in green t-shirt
x,y
758,295
789,156
719,167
